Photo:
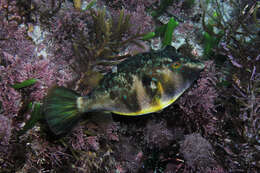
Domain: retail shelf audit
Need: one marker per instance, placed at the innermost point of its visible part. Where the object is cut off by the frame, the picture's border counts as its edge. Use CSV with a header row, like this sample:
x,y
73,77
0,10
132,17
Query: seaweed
x,y
238,83
105,39
211,37
236,33
101,46
25,83
36,115
164,31
172,24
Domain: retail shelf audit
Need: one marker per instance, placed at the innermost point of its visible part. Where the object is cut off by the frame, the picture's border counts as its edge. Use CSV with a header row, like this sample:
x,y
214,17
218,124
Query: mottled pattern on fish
x,y
143,84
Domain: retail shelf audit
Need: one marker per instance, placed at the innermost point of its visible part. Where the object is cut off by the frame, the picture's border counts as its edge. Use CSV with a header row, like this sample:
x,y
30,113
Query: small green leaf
x,y
208,43
148,36
215,14
25,83
30,106
172,24
36,115
211,42
91,4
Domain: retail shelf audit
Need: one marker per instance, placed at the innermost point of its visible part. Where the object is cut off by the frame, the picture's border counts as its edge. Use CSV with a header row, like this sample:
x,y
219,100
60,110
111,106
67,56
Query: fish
x,y
140,85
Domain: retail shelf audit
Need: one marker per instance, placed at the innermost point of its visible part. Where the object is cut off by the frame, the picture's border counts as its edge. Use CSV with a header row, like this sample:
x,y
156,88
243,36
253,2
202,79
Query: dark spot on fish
x,y
169,88
131,102
146,80
151,86
113,94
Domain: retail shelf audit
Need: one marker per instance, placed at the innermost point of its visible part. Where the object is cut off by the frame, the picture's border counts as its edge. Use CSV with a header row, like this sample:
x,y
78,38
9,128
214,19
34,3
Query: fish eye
x,y
176,65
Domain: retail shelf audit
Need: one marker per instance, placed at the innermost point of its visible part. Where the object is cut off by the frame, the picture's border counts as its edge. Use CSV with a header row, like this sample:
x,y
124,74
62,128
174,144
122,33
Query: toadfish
x,y
142,84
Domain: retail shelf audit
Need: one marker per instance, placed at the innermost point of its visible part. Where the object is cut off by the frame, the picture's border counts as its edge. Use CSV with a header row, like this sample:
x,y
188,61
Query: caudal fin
x,y
60,109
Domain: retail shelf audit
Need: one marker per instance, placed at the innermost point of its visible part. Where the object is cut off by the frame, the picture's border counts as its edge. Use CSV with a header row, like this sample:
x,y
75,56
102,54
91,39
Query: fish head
x,y
183,65
185,71
187,65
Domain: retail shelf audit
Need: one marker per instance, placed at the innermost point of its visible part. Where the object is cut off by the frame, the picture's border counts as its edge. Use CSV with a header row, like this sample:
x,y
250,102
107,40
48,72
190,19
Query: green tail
x,y
60,110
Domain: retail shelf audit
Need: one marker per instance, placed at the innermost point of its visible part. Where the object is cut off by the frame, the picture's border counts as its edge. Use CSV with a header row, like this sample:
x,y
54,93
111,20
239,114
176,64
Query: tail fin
x,y
60,110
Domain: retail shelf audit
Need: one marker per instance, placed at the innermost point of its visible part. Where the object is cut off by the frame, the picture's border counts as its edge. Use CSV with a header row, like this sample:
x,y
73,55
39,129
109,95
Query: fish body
x,y
142,84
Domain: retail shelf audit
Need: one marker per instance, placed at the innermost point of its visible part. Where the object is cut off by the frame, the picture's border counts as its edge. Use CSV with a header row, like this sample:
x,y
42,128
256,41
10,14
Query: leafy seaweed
x,y
91,4
165,31
238,81
148,36
172,24
36,115
210,42
25,83
107,37
211,37
100,46
235,32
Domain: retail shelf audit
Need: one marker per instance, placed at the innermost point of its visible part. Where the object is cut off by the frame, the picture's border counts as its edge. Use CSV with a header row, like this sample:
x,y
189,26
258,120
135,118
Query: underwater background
x,y
214,127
